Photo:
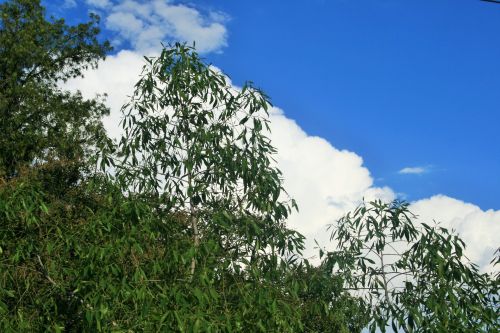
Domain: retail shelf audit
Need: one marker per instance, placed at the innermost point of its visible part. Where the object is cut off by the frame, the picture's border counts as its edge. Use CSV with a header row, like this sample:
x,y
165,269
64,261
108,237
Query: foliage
x,y
90,259
94,260
38,120
415,278
200,145
325,306
81,252
193,137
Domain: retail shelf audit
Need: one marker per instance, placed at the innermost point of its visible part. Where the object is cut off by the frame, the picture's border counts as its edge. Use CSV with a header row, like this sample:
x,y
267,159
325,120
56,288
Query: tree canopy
x,y
190,236
38,120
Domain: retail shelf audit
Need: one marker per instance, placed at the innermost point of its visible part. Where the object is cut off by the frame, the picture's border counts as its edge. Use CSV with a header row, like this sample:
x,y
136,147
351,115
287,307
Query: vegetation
x,y
414,277
188,233
38,121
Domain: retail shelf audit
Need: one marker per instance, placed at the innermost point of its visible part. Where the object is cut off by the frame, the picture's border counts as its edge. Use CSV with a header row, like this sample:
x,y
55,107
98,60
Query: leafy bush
x,y
91,259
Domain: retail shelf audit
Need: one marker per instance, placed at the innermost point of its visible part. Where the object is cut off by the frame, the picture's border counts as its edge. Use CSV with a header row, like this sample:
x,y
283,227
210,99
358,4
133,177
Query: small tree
x,y
415,278
192,137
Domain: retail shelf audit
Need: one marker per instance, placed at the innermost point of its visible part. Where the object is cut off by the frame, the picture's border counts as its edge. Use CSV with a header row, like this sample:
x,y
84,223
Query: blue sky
x,y
401,83
374,98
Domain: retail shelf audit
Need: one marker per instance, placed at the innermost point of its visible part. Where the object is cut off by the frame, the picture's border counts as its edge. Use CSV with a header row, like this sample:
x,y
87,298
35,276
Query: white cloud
x,y
116,77
325,181
413,170
146,24
99,3
128,24
478,228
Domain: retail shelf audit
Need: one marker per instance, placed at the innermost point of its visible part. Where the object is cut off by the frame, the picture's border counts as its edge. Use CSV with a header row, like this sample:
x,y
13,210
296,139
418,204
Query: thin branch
x,y
45,272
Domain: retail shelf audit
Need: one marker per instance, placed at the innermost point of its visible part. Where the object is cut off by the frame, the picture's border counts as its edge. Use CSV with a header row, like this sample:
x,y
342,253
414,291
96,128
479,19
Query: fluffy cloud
x,y
325,181
115,77
146,24
479,229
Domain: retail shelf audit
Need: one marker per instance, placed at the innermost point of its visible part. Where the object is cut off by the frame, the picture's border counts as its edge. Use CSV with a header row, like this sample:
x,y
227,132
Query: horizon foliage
x,y
91,259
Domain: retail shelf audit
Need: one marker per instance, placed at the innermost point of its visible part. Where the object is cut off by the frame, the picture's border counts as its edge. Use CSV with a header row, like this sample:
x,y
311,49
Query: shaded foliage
x,y
38,120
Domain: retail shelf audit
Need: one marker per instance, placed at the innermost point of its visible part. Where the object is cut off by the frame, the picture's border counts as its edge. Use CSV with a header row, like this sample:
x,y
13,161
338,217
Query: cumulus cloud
x,y
116,78
147,24
326,182
413,170
478,228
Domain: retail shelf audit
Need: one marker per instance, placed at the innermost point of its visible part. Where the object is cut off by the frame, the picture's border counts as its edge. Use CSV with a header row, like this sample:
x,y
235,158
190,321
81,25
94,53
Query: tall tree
x,y
39,121
193,137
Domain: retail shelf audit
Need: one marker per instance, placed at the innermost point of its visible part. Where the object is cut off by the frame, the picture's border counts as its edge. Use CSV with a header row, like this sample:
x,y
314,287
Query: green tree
x,y
200,146
415,278
39,121
193,137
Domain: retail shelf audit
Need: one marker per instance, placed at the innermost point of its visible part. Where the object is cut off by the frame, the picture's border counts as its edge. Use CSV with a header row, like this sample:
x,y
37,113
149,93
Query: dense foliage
x,y
181,226
39,121
90,259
